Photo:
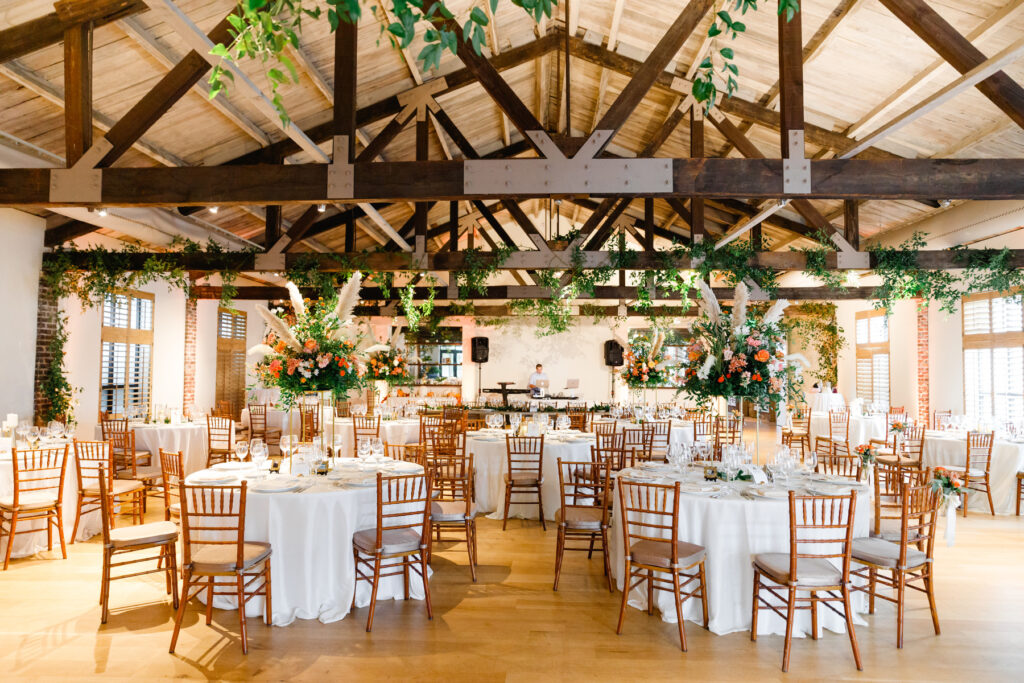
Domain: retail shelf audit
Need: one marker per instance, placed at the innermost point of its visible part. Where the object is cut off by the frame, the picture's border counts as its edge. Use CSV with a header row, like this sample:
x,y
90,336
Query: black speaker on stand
x,y
613,359
479,353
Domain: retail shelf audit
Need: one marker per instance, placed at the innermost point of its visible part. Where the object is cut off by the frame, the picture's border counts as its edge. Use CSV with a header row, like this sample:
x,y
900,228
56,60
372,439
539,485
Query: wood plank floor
x,y
508,626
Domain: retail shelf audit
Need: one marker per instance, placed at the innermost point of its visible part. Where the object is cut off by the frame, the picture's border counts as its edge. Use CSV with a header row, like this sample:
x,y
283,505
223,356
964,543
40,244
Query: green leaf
x,y
713,31
219,50
287,62
739,27
332,19
479,16
726,52
397,30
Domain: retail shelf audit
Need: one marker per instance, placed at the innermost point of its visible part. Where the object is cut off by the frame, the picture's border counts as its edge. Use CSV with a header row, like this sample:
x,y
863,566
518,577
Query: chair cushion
x,y
959,468
120,486
656,554
149,472
30,500
809,571
220,559
175,509
580,518
394,541
450,511
883,553
523,479
143,534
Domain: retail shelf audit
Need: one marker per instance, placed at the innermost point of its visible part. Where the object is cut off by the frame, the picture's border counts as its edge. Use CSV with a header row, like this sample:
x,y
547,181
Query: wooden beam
x,y
649,223
77,91
698,230
389,133
851,222
48,29
272,229
791,80
67,231
653,67
346,51
940,35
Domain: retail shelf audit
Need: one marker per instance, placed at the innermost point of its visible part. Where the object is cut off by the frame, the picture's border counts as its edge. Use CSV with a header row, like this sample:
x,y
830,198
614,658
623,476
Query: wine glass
x,y
259,454
377,447
241,450
363,450
22,430
811,460
515,419
33,436
289,444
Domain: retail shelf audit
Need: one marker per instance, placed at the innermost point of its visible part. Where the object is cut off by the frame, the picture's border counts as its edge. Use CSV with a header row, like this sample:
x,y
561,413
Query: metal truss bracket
x,y
76,185
852,259
796,169
270,261
340,173
582,174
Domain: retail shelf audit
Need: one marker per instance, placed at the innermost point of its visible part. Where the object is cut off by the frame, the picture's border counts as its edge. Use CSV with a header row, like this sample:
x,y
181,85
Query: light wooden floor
x,y
510,625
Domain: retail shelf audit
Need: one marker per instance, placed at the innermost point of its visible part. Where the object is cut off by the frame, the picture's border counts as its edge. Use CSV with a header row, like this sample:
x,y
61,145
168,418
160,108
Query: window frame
x,y
986,341
869,350
235,346
128,336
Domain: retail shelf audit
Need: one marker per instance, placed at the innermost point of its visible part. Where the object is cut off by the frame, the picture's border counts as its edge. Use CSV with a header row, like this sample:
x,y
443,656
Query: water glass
x,y
241,450
377,447
363,450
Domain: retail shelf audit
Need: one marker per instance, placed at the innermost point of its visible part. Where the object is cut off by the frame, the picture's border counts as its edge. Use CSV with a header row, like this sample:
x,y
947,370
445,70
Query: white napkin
x,y
756,472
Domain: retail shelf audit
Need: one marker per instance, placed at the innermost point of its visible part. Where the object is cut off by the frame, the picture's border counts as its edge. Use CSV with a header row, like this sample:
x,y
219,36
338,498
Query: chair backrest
x,y
979,451
611,448
406,452
309,421
821,527
650,512
728,430
801,420
89,457
940,418
341,409
913,440
39,472
694,414
224,409
662,429
638,443
109,426
172,469
579,417
524,455
212,516
219,433
403,502
704,429
122,447
889,480
839,424
365,427
258,419
451,470
603,426
898,410
917,522
474,423
840,465
584,485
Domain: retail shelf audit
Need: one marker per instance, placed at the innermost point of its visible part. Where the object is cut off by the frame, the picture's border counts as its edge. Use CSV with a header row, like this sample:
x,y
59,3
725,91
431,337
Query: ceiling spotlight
x,y
214,209
944,203
321,208
102,213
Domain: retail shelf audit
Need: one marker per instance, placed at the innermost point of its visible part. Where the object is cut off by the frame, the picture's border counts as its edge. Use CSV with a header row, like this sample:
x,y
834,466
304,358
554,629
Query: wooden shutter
x,y
231,327
126,353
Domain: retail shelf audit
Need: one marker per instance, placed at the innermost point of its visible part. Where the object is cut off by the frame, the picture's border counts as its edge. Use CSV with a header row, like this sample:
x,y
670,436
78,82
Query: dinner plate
x,y
232,466
212,477
361,482
700,489
276,485
767,492
403,466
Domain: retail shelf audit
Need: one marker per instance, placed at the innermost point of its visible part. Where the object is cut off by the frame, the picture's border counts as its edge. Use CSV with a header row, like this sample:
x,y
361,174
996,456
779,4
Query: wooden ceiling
x,y
862,66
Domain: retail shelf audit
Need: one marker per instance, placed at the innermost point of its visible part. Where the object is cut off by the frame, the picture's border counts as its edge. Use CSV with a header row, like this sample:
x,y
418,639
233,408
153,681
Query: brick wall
x,y
189,394
46,327
923,383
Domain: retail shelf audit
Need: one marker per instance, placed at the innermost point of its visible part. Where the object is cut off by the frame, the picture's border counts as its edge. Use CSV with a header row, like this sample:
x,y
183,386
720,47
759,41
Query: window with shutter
x,y
126,352
872,334
993,339
231,359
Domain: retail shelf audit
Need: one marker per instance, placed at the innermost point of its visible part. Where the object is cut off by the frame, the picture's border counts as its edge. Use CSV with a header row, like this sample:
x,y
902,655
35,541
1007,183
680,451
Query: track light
x,y
102,213
944,203
321,208
214,209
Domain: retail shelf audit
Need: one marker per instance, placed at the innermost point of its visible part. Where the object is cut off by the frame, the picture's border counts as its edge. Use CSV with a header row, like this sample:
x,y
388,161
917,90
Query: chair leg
x,y
703,594
60,533
268,610
426,587
849,627
508,502
988,492
872,587
10,538
677,594
929,587
607,560
373,593
186,579
209,601
967,485
105,585
240,586
540,505
757,608
627,576
471,547
559,551
172,553
78,518
790,606
814,615
650,593
901,591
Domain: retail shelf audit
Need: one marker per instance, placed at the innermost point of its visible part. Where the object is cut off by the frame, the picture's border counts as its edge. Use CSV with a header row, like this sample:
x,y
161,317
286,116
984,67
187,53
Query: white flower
x,y
705,369
727,354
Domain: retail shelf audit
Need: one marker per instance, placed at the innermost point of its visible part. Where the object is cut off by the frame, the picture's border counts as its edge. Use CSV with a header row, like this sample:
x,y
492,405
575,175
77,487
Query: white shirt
x,y
537,377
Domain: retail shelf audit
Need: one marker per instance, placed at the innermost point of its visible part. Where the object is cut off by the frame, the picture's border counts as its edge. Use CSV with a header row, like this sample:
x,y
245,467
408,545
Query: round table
x,y
824,403
491,463
188,438
950,448
310,534
863,428
733,529
29,544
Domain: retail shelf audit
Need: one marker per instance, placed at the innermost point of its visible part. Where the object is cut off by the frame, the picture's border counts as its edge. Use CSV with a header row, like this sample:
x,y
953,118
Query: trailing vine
x,y
815,263
816,324
415,313
735,261
480,266
55,388
902,278
989,270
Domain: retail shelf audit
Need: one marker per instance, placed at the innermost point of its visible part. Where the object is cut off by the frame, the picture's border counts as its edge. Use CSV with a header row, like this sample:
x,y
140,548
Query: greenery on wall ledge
x,y
816,323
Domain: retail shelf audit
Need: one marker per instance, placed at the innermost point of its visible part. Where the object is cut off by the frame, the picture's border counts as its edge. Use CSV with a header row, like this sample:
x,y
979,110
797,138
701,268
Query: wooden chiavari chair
x,y
649,515
820,535
452,509
704,429
365,428
258,428
638,443
838,441
799,431
38,494
409,452
173,468
309,421
115,429
1020,490
845,466
940,418
900,412
662,433
400,541
889,480
525,475
472,424
975,471
694,414
224,410
583,515
579,417
90,456
342,410
728,432
122,445
600,427
611,448
908,558
217,558
219,440
161,536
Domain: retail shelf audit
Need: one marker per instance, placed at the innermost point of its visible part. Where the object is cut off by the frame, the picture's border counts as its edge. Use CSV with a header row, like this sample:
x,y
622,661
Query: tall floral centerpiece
x,y
736,354
645,365
322,350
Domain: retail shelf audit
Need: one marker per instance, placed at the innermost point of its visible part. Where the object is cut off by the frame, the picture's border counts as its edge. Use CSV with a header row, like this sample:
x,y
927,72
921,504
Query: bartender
x,y
535,379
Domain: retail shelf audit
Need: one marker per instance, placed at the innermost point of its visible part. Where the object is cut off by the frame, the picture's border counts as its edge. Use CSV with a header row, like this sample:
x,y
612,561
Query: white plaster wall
x,y
20,263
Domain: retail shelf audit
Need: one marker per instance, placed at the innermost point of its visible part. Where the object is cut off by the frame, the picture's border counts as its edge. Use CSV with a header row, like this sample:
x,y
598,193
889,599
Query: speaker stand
x,y
479,387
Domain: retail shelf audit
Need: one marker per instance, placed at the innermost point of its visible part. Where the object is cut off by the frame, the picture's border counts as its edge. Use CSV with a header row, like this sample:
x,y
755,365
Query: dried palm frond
x,y
739,307
348,297
260,349
279,328
774,313
659,339
708,302
298,305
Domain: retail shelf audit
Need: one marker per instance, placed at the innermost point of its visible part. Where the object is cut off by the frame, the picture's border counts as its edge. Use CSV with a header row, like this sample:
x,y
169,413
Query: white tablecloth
x,y
491,464
1007,459
680,432
823,403
862,428
312,568
733,529
29,544
190,439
